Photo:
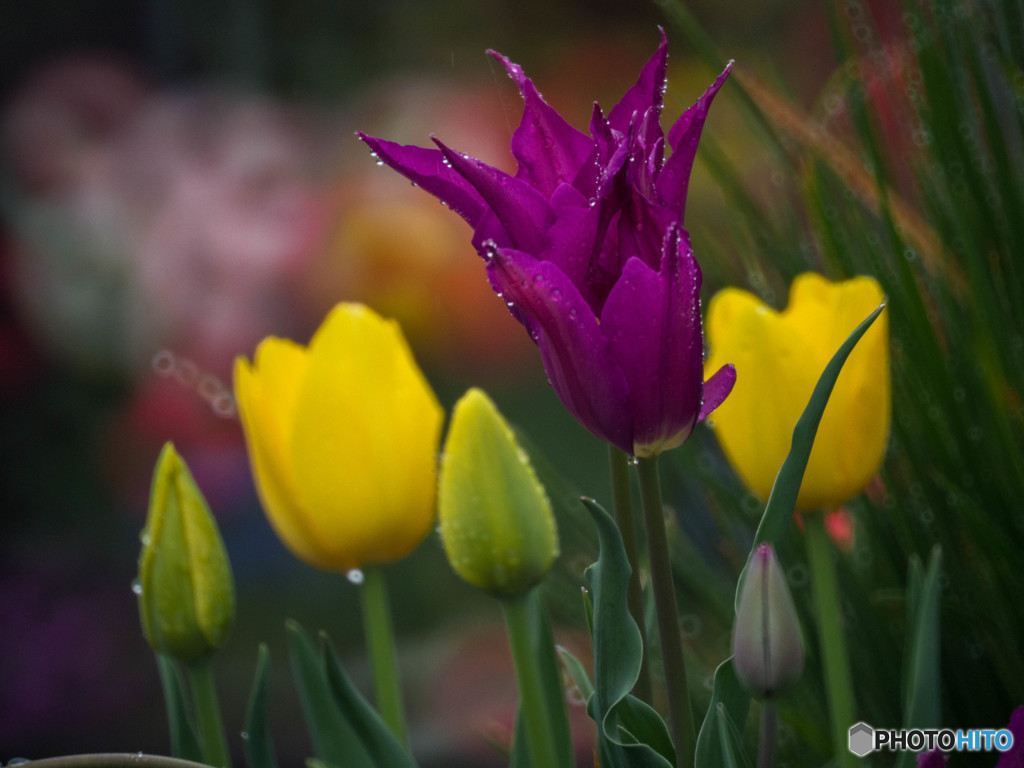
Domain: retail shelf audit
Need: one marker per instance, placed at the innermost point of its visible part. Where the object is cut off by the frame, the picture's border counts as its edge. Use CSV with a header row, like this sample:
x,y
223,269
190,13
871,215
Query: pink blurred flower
x,y
147,220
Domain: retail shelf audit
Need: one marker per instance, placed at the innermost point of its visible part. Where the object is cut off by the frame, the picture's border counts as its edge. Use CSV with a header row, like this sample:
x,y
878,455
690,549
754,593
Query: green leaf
x,y
617,654
577,673
519,758
384,749
645,726
778,513
259,751
184,742
334,739
728,693
726,736
922,703
542,639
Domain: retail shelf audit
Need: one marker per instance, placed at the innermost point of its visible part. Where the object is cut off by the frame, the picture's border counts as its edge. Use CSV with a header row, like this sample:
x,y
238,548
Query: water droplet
x,y
136,586
245,735
633,461
144,538
380,162
18,761
355,576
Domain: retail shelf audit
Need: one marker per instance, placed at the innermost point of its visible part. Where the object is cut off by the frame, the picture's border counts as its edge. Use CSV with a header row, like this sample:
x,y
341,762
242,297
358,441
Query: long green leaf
x,y
778,513
617,650
384,749
184,741
542,640
726,692
258,747
334,739
727,737
923,690
577,673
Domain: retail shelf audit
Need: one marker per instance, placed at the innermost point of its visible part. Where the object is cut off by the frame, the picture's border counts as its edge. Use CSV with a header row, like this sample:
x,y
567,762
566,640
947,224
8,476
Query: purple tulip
x,y
586,245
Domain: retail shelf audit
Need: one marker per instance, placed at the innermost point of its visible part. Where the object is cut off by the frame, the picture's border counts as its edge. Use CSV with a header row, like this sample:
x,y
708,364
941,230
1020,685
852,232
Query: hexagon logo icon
x,y
862,739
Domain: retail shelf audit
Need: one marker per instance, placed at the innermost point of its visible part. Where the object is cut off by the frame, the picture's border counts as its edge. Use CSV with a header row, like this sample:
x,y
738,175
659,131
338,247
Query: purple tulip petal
x,y
716,389
571,237
642,228
549,150
674,179
1014,756
576,354
652,320
523,212
426,167
648,92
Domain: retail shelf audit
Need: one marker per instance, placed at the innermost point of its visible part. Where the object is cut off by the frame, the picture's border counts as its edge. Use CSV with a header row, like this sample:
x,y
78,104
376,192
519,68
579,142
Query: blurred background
x,y
181,179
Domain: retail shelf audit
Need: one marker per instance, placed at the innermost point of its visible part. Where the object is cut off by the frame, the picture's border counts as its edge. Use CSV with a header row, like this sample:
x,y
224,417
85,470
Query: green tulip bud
x,y
767,647
186,592
496,520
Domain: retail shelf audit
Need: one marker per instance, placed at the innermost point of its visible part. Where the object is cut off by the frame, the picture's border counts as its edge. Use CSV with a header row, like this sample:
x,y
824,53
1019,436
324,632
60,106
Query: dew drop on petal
x,y
136,586
355,576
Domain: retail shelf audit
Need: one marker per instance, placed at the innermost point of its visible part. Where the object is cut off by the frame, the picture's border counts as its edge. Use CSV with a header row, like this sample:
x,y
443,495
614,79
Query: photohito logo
x,y
863,739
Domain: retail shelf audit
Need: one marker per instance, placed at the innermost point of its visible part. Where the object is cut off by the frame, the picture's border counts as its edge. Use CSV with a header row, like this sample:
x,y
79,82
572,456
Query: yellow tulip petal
x,y
266,395
755,423
364,442
854,430
778,359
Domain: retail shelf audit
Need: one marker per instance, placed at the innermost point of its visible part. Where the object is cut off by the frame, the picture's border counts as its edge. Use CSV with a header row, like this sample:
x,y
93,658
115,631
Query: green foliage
x,y
259,749
907,168
335,740
922,675
384,749
629,733
184,741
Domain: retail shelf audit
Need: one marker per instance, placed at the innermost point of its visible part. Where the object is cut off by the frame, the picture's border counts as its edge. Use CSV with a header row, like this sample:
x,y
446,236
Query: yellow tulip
x,y
342,438
779,357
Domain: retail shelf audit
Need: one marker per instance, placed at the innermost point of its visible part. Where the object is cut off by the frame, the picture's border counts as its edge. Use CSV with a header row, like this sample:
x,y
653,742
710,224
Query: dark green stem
x,y
622,503
680,709
835,662
114,760
380,640
769,735
539,737
209,725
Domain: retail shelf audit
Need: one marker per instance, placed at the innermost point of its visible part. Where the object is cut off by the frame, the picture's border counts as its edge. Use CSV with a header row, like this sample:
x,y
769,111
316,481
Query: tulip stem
x,y
680,709
769,735
209,725
622,503
540,741
380,639
836,664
